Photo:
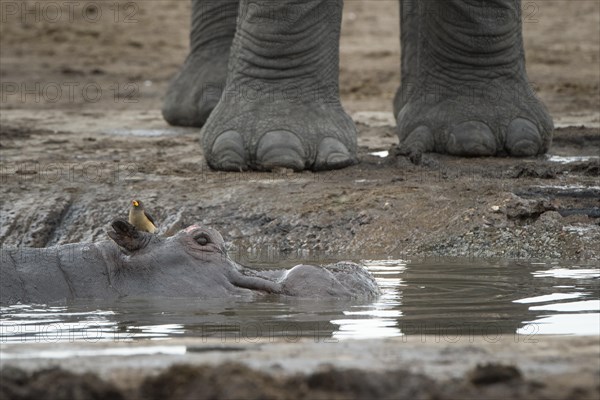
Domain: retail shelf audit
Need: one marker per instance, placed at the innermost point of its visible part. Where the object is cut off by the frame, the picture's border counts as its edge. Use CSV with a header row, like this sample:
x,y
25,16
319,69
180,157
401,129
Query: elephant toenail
x,y
332,154
228,152
337,158
471,138
280,149
420,139
523,138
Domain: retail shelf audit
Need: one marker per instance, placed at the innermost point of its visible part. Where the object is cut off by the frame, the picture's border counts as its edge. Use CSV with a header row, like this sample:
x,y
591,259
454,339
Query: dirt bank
x,y
234,381
411,367
66,185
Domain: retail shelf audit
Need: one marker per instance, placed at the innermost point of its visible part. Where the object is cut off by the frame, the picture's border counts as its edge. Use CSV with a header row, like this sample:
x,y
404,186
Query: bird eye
x,y
202,239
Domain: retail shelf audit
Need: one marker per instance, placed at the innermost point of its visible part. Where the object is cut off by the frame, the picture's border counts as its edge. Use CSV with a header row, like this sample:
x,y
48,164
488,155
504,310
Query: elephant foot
x,y
465,91
280,106
489,120
263,135
196,89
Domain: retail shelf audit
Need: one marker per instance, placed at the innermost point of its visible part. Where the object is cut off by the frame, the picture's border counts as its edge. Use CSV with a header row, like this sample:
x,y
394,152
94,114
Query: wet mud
x,y
236,381
67,186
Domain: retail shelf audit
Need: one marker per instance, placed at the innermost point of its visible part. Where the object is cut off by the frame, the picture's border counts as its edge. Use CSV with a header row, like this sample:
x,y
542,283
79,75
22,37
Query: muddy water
x,y
445,299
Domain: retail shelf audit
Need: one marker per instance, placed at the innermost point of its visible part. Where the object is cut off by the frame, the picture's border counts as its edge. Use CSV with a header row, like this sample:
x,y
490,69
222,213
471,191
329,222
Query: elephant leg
x,y
196,89
281,106
464,88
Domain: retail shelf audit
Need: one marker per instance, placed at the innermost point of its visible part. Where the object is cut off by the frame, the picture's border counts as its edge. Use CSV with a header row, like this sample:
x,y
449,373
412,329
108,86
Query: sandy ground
x,y
132,49
81,135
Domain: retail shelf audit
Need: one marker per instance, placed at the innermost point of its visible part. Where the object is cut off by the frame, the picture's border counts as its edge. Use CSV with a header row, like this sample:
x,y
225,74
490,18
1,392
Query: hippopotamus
x,y
192,263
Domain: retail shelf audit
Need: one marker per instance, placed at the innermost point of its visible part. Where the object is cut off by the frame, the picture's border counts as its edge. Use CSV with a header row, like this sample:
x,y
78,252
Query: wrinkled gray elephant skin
x,y
191,264
464,88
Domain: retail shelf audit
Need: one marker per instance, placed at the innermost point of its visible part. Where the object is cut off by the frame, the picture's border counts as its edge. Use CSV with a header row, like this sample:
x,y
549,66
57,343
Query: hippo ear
x,y
126,235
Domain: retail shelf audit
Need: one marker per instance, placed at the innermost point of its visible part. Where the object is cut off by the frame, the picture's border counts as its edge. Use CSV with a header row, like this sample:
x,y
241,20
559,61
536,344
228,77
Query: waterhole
x,y
447,299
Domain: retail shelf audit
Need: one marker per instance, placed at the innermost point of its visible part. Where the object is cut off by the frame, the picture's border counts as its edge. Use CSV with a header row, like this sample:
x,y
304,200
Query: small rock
x,y
550,219
494,373
519,208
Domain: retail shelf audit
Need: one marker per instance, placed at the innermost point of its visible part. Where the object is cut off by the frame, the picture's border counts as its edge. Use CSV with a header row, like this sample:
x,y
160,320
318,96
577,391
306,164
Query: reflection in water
x,y
108,351
49,324
550,297
563,324
579,317
576,273
156,332
378,319
587,305
464,299
441,298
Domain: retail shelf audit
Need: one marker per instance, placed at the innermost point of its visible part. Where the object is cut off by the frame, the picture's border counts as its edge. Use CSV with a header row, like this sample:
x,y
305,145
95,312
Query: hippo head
x,y
196,237
191,262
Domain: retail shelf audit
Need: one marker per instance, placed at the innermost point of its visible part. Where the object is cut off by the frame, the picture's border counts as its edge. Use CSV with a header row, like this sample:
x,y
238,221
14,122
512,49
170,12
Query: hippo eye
x,y
202,239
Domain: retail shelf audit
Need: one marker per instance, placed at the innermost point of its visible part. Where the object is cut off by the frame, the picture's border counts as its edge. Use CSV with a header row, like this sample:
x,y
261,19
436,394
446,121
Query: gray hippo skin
x,y
464,88
193,263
